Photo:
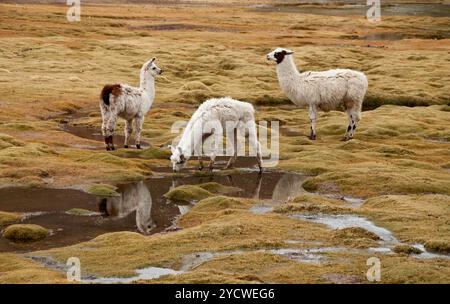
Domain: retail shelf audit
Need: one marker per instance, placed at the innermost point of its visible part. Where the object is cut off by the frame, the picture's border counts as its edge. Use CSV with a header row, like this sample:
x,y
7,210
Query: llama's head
x,y
178,158
145,226
151,68
278,54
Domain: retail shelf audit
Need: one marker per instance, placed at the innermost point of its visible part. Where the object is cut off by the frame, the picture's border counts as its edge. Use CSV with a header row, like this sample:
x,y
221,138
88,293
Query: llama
x,y
129,103
210,119
325,90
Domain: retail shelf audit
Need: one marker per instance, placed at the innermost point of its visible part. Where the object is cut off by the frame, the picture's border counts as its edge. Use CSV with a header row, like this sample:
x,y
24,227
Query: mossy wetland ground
x,y
317,217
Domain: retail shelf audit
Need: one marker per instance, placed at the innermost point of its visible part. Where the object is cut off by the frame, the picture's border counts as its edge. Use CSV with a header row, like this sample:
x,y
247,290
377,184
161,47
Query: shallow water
x,y
345,221
140,207
96,134
406,9
387,238
149,273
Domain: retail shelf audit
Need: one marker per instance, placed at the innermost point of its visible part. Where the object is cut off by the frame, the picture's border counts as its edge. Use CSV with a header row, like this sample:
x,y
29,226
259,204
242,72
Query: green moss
x,y
7,141
270,100
355,237
218,203
374,101
311,185
18,126
305,207
445,108
438,246
25,232
406,249
103,190
7,218
217,188
309,203
355,232
187,194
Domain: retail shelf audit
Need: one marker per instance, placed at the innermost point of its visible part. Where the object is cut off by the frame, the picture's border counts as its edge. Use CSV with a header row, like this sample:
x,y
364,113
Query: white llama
x,y
211,119
325,90
130,103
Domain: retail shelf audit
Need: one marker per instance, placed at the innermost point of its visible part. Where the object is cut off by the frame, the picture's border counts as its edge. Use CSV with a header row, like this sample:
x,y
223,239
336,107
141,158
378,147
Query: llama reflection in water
x,y
134,197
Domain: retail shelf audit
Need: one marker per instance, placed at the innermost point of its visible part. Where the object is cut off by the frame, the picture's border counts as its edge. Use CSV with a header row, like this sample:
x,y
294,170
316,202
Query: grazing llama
x,y
325,90
130,103
210,119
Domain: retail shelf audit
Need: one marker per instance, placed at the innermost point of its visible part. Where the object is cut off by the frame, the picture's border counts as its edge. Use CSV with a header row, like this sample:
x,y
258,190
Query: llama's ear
x,y
289,52
153,59
179,149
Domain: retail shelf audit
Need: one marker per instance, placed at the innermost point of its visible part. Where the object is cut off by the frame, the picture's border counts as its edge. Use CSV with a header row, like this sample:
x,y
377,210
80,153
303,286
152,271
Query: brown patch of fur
x,y
114,89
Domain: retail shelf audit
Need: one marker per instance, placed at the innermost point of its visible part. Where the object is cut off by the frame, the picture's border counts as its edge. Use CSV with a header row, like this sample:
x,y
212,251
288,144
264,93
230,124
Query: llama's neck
x,y
289,77
191,139
147,83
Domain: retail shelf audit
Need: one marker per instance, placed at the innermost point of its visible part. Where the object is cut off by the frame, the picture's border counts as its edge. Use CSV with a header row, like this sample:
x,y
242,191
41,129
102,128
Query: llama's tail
x,y
109,89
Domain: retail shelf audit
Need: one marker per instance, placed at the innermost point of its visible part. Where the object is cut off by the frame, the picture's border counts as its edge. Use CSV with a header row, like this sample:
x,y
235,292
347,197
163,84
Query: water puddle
x,y
427,254
388,241
140,207
352,202
149,273
346,221
405,9
261,209
95,134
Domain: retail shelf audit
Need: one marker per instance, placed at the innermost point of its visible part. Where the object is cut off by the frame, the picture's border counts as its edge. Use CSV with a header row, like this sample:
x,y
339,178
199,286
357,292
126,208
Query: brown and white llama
x,y
129,103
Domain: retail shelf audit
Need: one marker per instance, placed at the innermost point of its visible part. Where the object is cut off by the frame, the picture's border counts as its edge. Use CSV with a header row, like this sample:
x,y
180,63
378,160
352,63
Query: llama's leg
x,y
356,115
259,157
104,133
253,140
138,122
128,131
217,144
200,163
211,160
235,149
312,112
199,150
353,119
109,130
257,190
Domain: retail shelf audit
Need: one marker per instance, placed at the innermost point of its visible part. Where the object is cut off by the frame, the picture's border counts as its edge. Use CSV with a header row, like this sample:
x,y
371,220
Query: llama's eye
x,y
153,68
